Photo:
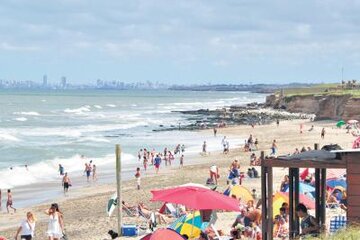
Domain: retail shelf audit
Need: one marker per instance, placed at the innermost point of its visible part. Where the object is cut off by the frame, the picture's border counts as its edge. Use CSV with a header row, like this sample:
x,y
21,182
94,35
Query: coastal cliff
x,y
333,107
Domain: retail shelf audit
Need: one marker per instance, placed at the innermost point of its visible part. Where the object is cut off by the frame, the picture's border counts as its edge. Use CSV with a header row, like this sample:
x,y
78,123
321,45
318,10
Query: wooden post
x,y
317,190
296,199
264,197
323,197
118,187
270,203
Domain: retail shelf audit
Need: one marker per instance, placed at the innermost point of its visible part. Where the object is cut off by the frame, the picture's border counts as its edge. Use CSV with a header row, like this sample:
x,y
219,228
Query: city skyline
x,y
188,42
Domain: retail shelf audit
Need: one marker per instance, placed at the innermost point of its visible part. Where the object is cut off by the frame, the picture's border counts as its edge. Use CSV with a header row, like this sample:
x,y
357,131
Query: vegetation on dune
x,y
332,89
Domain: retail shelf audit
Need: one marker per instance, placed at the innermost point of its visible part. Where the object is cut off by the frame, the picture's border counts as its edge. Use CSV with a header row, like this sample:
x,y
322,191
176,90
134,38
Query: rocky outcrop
x,y
324,107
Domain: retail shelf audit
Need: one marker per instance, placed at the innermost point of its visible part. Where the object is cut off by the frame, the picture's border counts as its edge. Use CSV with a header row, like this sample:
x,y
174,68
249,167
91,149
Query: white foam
x,y
93,139
21,119
98,106
8,137
80,110
111,105
27,113
48,170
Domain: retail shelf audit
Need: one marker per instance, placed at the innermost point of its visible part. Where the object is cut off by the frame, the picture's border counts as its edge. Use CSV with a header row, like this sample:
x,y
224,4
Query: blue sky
x,y
189,41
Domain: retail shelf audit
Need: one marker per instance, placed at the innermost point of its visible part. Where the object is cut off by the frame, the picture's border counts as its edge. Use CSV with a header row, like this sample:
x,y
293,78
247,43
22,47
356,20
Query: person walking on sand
x,y
138,179
26,228
56,223
215,131
182,160
94,173
157,162
66,183
9,202
204,148
87,171
277,122
323,133
214,174
273,148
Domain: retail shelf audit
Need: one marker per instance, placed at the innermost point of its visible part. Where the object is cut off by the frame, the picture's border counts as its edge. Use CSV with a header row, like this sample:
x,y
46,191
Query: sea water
x,y
44,128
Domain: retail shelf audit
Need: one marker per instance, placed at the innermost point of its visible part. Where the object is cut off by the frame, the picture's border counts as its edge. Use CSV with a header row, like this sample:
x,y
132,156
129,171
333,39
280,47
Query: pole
x,y
118,187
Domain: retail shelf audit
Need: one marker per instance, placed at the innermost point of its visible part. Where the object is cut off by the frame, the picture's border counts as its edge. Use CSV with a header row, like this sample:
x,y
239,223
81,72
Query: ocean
x,y
44,128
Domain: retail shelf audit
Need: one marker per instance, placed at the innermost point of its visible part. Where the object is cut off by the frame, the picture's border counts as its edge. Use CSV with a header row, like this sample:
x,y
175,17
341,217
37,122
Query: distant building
x,y
45,81
63,82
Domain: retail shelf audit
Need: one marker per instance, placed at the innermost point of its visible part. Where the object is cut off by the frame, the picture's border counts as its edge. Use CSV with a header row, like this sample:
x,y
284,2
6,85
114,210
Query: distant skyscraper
x,y
45,82
63,83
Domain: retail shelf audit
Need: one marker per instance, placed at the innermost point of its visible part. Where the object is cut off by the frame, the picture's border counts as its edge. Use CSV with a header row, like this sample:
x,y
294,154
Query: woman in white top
x,y
56,224
27,227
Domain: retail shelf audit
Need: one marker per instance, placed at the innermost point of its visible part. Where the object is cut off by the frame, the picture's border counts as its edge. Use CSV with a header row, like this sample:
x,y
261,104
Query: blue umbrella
x,y
304,188
336,182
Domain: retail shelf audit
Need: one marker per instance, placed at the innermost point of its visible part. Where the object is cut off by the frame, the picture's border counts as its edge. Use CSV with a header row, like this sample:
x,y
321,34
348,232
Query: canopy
x,y
280,197
336,182
189,225
196,198
340,123
304,188
241,193
356,143
163,234
335,173
311,155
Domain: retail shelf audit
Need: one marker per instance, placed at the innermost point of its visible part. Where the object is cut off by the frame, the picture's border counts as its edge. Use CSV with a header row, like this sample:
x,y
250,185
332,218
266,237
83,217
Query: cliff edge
x,y
333,107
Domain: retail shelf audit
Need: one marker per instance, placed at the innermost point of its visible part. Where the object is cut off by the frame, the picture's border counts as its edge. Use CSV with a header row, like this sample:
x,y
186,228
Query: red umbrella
x,y
163,234
196,198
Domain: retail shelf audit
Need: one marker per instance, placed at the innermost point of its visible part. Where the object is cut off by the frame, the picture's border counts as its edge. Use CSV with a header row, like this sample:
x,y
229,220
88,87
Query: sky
x,y
180,42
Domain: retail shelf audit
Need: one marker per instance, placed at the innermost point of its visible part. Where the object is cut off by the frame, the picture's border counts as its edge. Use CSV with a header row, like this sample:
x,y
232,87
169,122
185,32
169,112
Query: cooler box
x,y
129,230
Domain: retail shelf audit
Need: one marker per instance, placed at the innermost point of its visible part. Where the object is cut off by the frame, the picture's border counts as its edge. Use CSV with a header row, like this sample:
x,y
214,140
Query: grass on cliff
x,y
350,233
321,90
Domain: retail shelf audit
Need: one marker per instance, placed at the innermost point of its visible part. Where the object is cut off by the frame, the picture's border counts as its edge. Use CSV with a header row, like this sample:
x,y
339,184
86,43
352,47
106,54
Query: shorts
x,y
157,166
88,173
25,237
9,203
66,185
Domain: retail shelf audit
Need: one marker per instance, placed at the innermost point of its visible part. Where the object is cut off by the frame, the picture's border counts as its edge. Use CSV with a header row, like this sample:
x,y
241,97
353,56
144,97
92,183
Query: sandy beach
x,y
84,209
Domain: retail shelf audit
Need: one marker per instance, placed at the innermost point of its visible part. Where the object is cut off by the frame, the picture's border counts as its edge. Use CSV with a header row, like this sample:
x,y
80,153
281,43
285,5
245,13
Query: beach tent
x,y
163,234
196,198
279,198
356,143
189,225
340,123
242,193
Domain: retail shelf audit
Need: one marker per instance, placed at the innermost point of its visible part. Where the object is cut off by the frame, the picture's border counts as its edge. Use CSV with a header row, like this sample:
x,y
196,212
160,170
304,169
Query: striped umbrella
x,y
189,225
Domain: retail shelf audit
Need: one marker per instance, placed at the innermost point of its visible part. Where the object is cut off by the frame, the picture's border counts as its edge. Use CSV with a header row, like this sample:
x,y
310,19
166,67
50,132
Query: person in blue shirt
x,y
157,162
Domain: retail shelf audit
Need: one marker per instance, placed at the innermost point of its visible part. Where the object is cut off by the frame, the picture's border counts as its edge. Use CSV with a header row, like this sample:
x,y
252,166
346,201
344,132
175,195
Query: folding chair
x,y
218,237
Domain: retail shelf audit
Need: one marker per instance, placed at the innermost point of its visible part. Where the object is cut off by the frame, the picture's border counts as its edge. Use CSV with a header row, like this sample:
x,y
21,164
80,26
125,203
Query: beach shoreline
x,y
92,200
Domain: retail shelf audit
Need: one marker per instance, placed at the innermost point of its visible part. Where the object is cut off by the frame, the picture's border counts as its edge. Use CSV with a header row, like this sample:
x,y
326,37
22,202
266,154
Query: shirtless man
x,y
66,183
9,203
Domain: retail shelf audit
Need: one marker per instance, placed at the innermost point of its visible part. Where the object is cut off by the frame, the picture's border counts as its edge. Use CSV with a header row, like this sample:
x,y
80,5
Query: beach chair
x,y
218,237
337,222
129,212
151,221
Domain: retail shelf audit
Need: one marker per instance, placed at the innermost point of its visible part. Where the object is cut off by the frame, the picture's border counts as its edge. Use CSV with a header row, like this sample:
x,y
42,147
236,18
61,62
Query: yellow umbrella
x,y
241,193
278,200
189,225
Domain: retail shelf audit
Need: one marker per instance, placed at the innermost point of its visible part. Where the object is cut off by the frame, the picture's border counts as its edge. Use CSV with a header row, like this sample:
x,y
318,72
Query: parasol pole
x,y
192,225
118,187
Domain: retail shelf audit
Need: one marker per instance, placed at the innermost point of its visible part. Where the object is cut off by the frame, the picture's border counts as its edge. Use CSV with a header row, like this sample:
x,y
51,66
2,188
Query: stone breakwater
x,y
256,114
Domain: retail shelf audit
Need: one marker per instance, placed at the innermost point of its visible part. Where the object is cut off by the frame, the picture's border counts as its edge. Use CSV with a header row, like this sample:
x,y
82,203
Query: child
x,y
137,176
182,160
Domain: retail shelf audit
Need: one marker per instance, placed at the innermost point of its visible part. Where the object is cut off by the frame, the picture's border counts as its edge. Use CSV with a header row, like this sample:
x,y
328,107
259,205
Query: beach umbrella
x,y
163,234
340,123
280,197
189,225
242,193
356,143
352,121
336,182
196,198
304,188
335,173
